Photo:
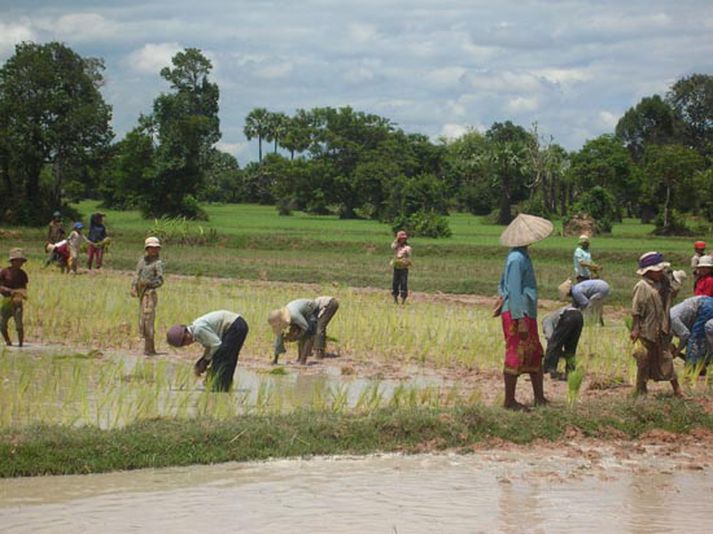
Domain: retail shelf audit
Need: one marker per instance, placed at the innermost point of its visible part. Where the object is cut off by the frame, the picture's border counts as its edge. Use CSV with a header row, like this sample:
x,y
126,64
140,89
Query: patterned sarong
x,y
521,356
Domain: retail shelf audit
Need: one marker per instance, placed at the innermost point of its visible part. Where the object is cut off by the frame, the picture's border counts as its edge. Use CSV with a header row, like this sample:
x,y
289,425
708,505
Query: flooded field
x,y
505,491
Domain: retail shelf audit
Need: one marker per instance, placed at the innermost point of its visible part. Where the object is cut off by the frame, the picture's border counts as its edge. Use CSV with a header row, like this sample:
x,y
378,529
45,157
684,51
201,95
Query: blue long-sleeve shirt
x,y
518,286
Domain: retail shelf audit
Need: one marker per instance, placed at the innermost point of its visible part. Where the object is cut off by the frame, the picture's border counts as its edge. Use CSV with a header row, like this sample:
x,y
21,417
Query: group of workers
x,y
64,249
304,321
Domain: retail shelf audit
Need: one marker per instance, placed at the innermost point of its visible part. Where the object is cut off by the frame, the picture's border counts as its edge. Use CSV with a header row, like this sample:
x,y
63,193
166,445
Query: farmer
x,y
589,295
699,249
13,288
651,325
148,278
518,294
55,229
562,329
221,334
304,321
74,241
96,239
58,253
584,267
699,346
401,263
704,284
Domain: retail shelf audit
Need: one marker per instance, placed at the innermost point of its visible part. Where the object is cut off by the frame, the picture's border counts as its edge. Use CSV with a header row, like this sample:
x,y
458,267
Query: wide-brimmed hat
x,y
525,230
584,238
175,335
401,235
564,289
705,261
279,319
678,277
651,261
17,254
699,244
152,242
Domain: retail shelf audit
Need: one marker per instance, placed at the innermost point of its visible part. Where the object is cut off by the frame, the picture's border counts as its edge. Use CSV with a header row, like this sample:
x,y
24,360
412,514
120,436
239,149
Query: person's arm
x,y
135,281
208,339
157,280
394,244
279,346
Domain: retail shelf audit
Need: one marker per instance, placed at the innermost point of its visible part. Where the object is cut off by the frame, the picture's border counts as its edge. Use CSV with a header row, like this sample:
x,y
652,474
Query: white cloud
x,y
152,57
608,120
84,27
453,131
12,34
281,69
521,104
231,148
362,33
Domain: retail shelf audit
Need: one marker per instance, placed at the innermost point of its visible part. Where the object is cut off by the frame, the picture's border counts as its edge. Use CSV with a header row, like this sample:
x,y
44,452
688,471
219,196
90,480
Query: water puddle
x,y
484,492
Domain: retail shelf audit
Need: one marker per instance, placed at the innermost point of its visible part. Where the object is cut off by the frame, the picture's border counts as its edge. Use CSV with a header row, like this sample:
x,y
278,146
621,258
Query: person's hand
x,y
200,366
634,335
134,293
522,331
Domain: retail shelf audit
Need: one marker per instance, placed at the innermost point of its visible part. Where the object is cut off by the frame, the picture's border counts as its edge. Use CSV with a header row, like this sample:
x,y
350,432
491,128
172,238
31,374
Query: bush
x,y
676,224
600,204
534,206
423,223
178,230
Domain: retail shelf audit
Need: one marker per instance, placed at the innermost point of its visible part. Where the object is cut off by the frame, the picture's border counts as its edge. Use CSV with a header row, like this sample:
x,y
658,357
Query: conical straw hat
x,y
525,230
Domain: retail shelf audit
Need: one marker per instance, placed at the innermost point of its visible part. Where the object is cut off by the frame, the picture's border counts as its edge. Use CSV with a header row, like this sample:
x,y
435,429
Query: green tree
x,y
223,179
187,126
51,113
130,170
692,100
298,133
651,121
257,124
278,124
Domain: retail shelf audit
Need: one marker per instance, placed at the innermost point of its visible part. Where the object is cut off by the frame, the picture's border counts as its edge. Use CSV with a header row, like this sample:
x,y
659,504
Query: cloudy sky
x,y
435,67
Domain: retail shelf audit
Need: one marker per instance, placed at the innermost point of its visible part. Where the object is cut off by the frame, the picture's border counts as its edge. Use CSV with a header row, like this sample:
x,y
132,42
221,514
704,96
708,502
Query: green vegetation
x,y
42,450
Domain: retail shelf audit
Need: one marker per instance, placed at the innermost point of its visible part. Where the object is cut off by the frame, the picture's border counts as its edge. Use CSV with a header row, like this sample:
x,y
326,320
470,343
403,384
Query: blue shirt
x,y
582,255
518,286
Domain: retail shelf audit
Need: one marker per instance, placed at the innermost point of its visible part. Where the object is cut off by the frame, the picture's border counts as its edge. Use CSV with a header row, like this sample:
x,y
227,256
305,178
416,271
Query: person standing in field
x,y
401,263
704,270
584,267
148,278
518,310
55,229
13,288
562,329
222,334
304,321
651,325
699,250
74,242
96,239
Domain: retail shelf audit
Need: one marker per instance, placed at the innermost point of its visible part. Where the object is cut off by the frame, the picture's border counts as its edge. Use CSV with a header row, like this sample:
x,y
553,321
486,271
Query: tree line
x,y
57,146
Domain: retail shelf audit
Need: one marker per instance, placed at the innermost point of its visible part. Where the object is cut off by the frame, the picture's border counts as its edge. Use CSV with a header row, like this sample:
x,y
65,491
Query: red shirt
x,y
13,279
704,286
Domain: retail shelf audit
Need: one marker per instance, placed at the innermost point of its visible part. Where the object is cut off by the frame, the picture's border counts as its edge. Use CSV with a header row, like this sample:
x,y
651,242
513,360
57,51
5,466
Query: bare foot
x,y
516,406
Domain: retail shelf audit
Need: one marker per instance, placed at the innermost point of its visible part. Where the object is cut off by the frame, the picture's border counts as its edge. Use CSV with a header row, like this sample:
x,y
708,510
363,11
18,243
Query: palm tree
x,y
257,124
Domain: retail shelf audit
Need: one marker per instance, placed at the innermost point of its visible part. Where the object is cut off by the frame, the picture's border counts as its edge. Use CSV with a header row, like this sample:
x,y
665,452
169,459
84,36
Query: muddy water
x,y
482,492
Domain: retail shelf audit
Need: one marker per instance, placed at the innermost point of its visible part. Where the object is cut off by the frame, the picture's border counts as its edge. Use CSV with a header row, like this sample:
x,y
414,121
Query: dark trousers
x,y
564,340
400,283
220,374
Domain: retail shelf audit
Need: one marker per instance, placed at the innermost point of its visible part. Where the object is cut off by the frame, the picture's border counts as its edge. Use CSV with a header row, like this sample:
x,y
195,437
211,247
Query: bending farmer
x,y
562,329
304,321
221,334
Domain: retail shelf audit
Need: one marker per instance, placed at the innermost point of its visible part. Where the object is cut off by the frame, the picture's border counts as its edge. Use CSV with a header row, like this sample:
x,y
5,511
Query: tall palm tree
x,y
257,124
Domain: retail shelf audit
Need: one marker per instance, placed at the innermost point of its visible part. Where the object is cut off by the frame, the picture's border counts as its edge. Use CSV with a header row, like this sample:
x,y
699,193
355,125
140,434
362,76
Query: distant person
x,y
13,288
584,267
96,239
55,229
401,263
704,284
589,296
699,346
58,253
562,329
699,250
148,278
518,296
74,243
221,334
684,316
651,325
304,321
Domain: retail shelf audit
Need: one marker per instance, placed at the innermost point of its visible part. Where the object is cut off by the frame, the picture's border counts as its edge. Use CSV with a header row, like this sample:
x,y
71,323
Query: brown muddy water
x,y
503,491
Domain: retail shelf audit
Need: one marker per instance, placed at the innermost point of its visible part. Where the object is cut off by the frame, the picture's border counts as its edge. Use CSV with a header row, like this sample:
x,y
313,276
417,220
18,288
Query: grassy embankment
x,y
257,244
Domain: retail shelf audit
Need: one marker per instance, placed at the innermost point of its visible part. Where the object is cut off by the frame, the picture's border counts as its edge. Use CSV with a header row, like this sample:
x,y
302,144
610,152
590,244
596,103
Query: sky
x,y
439,68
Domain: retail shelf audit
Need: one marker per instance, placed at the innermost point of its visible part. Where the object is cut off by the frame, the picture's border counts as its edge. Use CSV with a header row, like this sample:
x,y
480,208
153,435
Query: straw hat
x,y
705,261
152,242
652,261
525,230
564,289
678,278
17,254
279,319
584,238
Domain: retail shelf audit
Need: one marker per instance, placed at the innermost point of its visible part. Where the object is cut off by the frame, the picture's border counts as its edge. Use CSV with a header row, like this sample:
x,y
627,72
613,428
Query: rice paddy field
x,y
442,351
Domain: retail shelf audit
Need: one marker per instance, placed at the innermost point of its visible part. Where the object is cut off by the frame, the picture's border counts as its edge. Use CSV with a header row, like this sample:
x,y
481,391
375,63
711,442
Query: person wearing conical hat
x,y
651,323
148,278
518,291
584,267
304,321
13,288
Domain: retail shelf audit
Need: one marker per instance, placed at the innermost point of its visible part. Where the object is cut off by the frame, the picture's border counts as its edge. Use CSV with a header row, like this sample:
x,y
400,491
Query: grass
x,y
43,450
